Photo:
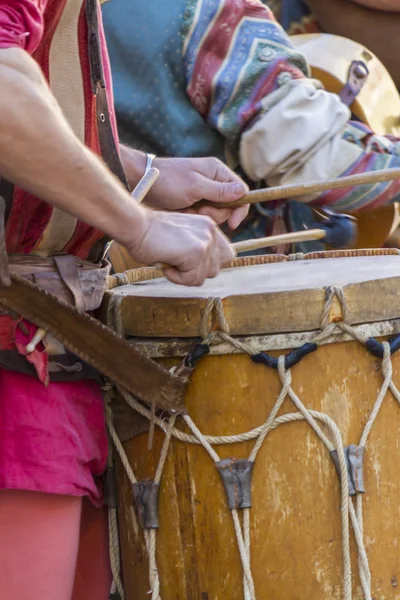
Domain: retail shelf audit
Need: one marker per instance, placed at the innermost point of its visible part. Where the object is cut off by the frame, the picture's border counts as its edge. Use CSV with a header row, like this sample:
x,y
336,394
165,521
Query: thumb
x,y
223,191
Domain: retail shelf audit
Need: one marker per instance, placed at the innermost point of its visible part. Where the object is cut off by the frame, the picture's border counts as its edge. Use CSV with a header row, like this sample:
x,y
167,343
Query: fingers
x,y
225,249
193,244
219,215
217,182
204,262
238,215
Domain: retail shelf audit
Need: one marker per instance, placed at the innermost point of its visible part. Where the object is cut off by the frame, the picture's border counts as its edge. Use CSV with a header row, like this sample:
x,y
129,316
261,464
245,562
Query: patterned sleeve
x,y
249,83
374,152
235,54
21,23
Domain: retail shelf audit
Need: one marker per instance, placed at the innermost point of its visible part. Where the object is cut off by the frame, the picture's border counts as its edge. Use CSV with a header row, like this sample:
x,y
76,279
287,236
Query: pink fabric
x,y
21,23
52,439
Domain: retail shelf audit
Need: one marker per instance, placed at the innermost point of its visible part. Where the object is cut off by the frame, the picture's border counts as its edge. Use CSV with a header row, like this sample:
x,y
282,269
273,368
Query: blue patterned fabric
x,y
154,113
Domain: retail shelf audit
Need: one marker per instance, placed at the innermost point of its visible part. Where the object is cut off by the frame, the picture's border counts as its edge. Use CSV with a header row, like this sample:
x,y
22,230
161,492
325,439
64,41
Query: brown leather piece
x,y
68,271
127,422
43,272
4,268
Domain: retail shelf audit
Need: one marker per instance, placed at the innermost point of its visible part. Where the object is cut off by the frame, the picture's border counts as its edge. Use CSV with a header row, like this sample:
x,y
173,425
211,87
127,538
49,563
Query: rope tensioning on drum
x,y
146,498
237,473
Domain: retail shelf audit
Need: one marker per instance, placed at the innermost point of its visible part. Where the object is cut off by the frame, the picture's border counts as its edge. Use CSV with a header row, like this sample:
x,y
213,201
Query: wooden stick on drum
x,y
145,184
139,193
338,231
312,187
275,240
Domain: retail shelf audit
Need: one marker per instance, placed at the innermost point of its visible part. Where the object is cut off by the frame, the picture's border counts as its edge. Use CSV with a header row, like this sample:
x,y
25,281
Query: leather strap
x,y
7,192
68,271
96,344
109,151
108,148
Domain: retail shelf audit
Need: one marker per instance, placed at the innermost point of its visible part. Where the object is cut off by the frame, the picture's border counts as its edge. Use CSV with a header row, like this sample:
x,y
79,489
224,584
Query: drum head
x,y
269,298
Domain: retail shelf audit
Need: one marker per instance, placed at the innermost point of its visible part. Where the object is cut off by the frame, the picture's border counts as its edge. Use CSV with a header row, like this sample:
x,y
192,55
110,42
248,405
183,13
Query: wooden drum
x,y
281,481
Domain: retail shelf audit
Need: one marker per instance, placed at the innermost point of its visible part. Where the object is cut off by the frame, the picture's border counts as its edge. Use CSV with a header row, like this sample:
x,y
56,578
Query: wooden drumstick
x,y
145,184
312,187
273,240
139,193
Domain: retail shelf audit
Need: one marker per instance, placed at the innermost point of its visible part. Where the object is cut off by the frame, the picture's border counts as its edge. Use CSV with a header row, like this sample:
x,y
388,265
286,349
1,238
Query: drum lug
x,y
291,359
355,461
376,348
145,494
189,363
236,477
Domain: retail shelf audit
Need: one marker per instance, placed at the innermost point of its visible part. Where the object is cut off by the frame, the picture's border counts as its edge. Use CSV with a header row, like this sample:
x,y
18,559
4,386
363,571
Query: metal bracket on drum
x,y
145,494
357,76
110,487
376,348
291,359
355,461
236,476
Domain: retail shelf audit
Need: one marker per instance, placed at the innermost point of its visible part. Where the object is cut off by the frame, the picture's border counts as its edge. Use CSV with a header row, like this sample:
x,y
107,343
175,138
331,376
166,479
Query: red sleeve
x,y
21,23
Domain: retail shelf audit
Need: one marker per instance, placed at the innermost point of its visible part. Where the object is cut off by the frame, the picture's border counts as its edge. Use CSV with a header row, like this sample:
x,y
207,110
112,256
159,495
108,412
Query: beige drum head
x,y
268,298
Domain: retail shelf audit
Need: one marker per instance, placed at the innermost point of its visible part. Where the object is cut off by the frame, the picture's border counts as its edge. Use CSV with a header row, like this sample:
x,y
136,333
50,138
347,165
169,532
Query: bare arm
x,y
39,152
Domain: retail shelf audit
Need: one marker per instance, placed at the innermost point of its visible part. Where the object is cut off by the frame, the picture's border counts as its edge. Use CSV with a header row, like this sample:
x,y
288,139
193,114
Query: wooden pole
x,y
273,240
312,187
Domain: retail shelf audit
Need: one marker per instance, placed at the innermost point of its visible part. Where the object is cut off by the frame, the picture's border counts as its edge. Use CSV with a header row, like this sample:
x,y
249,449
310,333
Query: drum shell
x,y
296,536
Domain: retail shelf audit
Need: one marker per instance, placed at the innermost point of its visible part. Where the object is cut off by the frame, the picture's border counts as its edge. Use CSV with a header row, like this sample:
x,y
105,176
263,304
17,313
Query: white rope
x,y
387,372
244,547
115,559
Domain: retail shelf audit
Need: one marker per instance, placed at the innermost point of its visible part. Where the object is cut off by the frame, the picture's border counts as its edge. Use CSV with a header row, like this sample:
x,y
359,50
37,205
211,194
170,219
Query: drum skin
x,y
296,519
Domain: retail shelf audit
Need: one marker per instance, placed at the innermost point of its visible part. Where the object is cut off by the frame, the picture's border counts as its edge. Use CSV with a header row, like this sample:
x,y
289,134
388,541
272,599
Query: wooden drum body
x,y
298,541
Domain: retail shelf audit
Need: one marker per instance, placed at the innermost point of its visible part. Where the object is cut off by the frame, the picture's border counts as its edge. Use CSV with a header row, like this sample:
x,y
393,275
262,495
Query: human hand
x,y
184,181
192,244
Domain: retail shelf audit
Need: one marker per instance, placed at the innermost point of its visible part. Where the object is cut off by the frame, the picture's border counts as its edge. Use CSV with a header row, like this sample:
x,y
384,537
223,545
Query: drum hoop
x,y
148,273
179,348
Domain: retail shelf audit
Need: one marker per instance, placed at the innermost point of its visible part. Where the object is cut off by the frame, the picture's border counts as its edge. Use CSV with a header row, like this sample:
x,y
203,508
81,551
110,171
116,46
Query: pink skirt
x,y
52,439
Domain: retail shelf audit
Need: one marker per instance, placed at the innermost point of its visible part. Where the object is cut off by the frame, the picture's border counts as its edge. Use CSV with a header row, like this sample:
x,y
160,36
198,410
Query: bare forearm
x,y
133,162
40,153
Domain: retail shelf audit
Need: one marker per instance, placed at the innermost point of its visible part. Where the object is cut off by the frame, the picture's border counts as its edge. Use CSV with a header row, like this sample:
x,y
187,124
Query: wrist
x,y
134,164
